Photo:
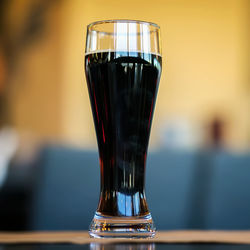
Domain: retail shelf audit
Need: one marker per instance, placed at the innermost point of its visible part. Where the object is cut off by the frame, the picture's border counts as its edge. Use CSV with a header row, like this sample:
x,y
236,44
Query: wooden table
x,y
78,237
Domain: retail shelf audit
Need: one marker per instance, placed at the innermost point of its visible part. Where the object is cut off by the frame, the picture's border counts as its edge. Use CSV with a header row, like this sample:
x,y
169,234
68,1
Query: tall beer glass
x,y
123,68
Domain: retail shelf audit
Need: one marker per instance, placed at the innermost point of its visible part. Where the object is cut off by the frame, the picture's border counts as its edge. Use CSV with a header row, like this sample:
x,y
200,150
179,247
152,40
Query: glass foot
x,y
122,227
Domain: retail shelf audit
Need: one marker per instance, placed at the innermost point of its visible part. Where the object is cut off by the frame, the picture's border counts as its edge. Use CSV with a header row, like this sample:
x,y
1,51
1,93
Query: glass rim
x,y
122,21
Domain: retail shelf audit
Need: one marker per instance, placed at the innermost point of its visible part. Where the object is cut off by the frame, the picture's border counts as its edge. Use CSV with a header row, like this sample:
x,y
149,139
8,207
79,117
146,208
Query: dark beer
x,y
122,88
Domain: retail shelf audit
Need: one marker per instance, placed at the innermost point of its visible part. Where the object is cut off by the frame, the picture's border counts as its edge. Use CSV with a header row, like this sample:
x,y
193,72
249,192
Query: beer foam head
x,y
123,35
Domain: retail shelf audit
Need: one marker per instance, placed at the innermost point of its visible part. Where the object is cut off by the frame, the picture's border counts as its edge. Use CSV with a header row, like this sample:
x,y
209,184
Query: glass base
x,y
122,227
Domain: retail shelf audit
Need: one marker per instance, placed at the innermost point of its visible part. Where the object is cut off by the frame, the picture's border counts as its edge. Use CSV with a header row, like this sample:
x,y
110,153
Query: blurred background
x,y
199,160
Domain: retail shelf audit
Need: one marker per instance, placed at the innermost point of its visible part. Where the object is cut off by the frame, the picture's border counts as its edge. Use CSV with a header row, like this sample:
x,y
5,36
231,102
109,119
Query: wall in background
x,y
35,68
205,68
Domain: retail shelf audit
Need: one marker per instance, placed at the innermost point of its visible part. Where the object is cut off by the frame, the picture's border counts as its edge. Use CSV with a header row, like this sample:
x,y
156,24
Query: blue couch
x,y
185,190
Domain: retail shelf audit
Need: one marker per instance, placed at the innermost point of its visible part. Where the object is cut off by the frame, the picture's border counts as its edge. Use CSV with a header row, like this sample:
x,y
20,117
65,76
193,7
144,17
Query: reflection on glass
x,y
123,246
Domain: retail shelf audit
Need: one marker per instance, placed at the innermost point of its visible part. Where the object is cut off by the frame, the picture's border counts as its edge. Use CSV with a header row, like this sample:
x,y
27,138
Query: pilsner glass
x,y
123,68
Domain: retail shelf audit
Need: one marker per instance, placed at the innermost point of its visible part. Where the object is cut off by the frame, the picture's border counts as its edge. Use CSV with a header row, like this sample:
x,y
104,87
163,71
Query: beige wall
x,y
205,67
204,62
35,85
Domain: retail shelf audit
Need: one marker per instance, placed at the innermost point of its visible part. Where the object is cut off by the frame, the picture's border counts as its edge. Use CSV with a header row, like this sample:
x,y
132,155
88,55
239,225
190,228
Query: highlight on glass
x,y
123,67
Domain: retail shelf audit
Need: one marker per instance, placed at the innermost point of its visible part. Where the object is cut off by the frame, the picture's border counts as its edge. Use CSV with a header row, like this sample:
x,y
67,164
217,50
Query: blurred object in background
x,y
8,147
24,30
3,81
180,134
19,154
216,132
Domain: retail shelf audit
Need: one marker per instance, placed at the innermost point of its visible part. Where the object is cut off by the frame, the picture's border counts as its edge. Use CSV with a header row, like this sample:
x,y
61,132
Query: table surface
x,y
125,246
169,237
